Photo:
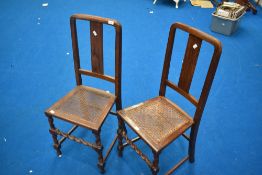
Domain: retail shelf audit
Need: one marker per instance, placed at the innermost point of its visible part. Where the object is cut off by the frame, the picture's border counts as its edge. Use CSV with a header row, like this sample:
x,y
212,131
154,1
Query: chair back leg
x,y
121,129
192,142
155,167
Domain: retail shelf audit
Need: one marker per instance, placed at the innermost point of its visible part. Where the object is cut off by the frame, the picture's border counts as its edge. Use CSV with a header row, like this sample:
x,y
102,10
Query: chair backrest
x,y
96,41
189,64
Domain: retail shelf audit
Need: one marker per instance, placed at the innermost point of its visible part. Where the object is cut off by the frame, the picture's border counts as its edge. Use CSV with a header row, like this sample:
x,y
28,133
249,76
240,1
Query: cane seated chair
x,y
86,106
159,121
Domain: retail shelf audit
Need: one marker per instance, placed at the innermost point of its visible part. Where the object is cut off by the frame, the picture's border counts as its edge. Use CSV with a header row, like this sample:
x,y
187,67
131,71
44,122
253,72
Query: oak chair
x,y
86,106
159,121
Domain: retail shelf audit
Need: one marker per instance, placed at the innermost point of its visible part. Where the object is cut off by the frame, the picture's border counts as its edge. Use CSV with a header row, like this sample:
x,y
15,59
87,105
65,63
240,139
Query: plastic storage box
x,y
224,25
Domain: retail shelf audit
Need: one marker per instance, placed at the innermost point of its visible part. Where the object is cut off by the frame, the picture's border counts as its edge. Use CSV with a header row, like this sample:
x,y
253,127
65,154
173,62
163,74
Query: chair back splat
x,y
96,42
189,64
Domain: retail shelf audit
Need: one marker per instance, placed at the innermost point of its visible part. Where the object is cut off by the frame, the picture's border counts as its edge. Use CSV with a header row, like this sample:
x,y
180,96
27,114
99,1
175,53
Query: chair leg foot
x,y
101,167
58,150
192,143
120,151
191,159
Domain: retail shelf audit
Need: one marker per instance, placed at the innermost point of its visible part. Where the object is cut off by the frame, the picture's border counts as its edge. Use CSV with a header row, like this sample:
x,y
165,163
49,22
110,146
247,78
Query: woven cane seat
x,y
84,106
157,121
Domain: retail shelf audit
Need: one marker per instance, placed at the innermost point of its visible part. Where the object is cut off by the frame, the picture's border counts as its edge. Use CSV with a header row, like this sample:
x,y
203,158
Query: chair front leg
x,y
101,164
155,168
121,129
52,129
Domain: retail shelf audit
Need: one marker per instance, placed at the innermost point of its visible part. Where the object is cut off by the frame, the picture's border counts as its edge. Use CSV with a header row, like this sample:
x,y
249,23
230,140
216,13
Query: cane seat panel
x,y
156,121
84,106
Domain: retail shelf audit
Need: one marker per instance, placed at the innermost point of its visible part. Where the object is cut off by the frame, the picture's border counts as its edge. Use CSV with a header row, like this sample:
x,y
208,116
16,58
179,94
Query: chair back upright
x,y
188,66
96,42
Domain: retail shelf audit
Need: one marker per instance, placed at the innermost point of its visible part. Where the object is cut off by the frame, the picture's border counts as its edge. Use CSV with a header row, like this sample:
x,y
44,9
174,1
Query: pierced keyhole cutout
x,y
94,33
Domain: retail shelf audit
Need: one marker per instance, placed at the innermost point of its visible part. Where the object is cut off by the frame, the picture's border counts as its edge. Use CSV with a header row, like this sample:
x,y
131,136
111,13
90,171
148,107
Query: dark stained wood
x,y
169,50
177,165
138,151
97,75
101,163
69,132
155,167
186,136
146,129
110,148
75,50
93,112
56,145
182,92
133,140
113,113
189,63
96,35
118,66
120,130
73,138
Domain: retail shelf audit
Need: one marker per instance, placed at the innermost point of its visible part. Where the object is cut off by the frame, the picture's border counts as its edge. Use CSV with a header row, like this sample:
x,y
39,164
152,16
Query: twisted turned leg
x,y
121,129
101,164
56,145
155,168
